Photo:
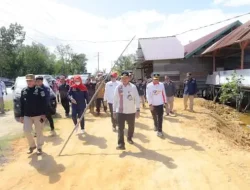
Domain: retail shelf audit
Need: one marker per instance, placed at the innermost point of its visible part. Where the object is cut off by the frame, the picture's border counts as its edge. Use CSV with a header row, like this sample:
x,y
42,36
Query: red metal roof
x,y
240,34
195,46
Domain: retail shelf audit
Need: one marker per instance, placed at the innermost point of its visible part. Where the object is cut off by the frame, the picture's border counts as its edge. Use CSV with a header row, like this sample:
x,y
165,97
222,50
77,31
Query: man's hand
x,y
73,101
21,119
137,114
151,107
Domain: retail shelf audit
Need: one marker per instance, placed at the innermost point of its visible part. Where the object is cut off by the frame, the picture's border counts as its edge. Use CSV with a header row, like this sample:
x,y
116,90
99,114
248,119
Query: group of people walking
x,y
123,98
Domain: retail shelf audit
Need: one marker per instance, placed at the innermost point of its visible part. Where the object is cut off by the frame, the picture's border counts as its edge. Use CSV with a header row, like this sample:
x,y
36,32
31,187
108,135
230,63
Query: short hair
x,y
39,78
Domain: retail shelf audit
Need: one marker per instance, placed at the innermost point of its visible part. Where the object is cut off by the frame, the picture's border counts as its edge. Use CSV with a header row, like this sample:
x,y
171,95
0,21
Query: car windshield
x,y
21,82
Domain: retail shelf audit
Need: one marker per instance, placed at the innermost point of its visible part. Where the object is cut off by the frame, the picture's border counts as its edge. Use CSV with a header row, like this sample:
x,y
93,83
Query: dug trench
x,y
202,150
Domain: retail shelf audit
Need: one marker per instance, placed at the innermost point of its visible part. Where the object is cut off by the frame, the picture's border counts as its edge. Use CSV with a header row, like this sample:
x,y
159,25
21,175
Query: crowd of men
x,y
122,97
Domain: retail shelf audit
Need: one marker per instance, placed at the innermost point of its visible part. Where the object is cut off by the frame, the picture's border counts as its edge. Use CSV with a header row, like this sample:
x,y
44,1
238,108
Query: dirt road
x,y
189,157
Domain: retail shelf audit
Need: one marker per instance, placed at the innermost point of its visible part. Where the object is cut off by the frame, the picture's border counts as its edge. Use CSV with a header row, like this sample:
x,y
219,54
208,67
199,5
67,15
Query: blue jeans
x,y
77,112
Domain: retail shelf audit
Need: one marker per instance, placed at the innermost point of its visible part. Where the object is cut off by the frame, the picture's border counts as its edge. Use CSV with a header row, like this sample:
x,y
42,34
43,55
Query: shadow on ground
x,y
183,142
47,166
139,136
93,140
143,126
150,155
55,140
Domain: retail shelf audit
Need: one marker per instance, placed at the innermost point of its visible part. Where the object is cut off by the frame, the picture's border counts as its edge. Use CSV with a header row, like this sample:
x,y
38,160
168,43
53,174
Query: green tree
x,y
36,59
125,63
11,40
78,63
232,90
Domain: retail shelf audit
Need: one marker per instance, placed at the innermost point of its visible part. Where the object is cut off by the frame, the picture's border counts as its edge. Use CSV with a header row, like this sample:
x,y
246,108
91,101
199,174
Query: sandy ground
x,y
8,125
191,156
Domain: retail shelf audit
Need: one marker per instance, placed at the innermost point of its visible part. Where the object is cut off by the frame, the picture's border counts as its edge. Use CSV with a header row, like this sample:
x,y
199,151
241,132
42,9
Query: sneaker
x,y
39,151
130,141
53,133
31,149
82,131
120,147
159,134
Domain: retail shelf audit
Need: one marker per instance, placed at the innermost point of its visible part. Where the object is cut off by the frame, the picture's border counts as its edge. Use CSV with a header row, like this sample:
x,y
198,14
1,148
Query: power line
x,y
178,34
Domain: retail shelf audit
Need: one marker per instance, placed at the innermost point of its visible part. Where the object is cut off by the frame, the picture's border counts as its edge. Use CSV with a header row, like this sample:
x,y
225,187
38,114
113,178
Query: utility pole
x,y
98,68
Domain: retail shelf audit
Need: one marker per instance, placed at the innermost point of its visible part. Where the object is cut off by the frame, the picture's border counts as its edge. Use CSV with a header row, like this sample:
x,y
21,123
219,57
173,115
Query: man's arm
x,y
22,104
148,94
164,94
106,92
137,99
116,99
44,100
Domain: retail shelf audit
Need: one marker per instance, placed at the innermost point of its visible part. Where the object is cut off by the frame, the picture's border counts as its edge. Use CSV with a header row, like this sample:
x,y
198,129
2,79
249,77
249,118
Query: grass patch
x,y
8,105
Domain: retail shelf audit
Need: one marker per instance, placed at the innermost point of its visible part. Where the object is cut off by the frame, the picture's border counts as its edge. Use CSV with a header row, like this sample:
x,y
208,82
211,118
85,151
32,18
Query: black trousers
x,y
51,122
122,118
65,104
157,114
99,102
113,120
78,113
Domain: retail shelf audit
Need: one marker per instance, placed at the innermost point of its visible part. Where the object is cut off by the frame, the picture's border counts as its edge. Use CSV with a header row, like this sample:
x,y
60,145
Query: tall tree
x,y
125,63
11,40
78,63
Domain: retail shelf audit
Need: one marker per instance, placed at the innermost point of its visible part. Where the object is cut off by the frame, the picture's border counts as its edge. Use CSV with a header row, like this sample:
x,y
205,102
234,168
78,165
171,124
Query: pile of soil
x,y
228,122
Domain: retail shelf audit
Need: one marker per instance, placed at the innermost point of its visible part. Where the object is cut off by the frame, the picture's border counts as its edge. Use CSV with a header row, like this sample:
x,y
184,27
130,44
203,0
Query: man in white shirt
x,y
156,99
126,106
109,96
2,90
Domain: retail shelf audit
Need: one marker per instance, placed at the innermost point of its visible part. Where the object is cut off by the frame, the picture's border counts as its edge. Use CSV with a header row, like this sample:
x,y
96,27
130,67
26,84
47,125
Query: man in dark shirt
x,y
49,112
141,90
63,90
33,110
170,92
190,90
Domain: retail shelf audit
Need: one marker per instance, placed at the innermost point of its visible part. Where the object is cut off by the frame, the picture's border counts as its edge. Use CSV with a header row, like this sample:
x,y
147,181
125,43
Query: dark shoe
x,y
39,151
120,147
130,141
31,149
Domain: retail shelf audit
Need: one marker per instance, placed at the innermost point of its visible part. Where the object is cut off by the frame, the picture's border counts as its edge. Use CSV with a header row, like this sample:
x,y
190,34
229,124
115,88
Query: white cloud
x,y
233,3
49,22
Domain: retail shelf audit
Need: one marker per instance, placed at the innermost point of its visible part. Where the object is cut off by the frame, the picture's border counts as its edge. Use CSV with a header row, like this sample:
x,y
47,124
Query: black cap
x,y
125,74
156,76
39,78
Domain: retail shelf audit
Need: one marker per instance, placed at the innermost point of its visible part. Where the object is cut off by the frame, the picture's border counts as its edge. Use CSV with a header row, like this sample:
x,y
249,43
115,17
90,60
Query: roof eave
x,y
236,23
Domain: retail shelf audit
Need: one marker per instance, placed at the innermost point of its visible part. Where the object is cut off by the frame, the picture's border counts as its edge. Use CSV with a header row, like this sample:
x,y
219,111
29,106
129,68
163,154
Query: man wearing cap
x,y
33,110
170,92
126,107
156,97
109,96
190,90
50,111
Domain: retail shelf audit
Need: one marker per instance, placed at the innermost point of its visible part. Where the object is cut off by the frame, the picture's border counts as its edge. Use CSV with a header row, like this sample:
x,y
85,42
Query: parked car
x,y
17,88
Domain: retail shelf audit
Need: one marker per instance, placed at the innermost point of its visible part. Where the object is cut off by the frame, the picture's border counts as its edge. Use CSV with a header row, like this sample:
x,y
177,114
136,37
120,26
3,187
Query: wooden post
x,y
243,46
214,63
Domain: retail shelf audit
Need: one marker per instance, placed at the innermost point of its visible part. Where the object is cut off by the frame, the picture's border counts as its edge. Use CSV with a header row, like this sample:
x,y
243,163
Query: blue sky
x,y
114,8
73,22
